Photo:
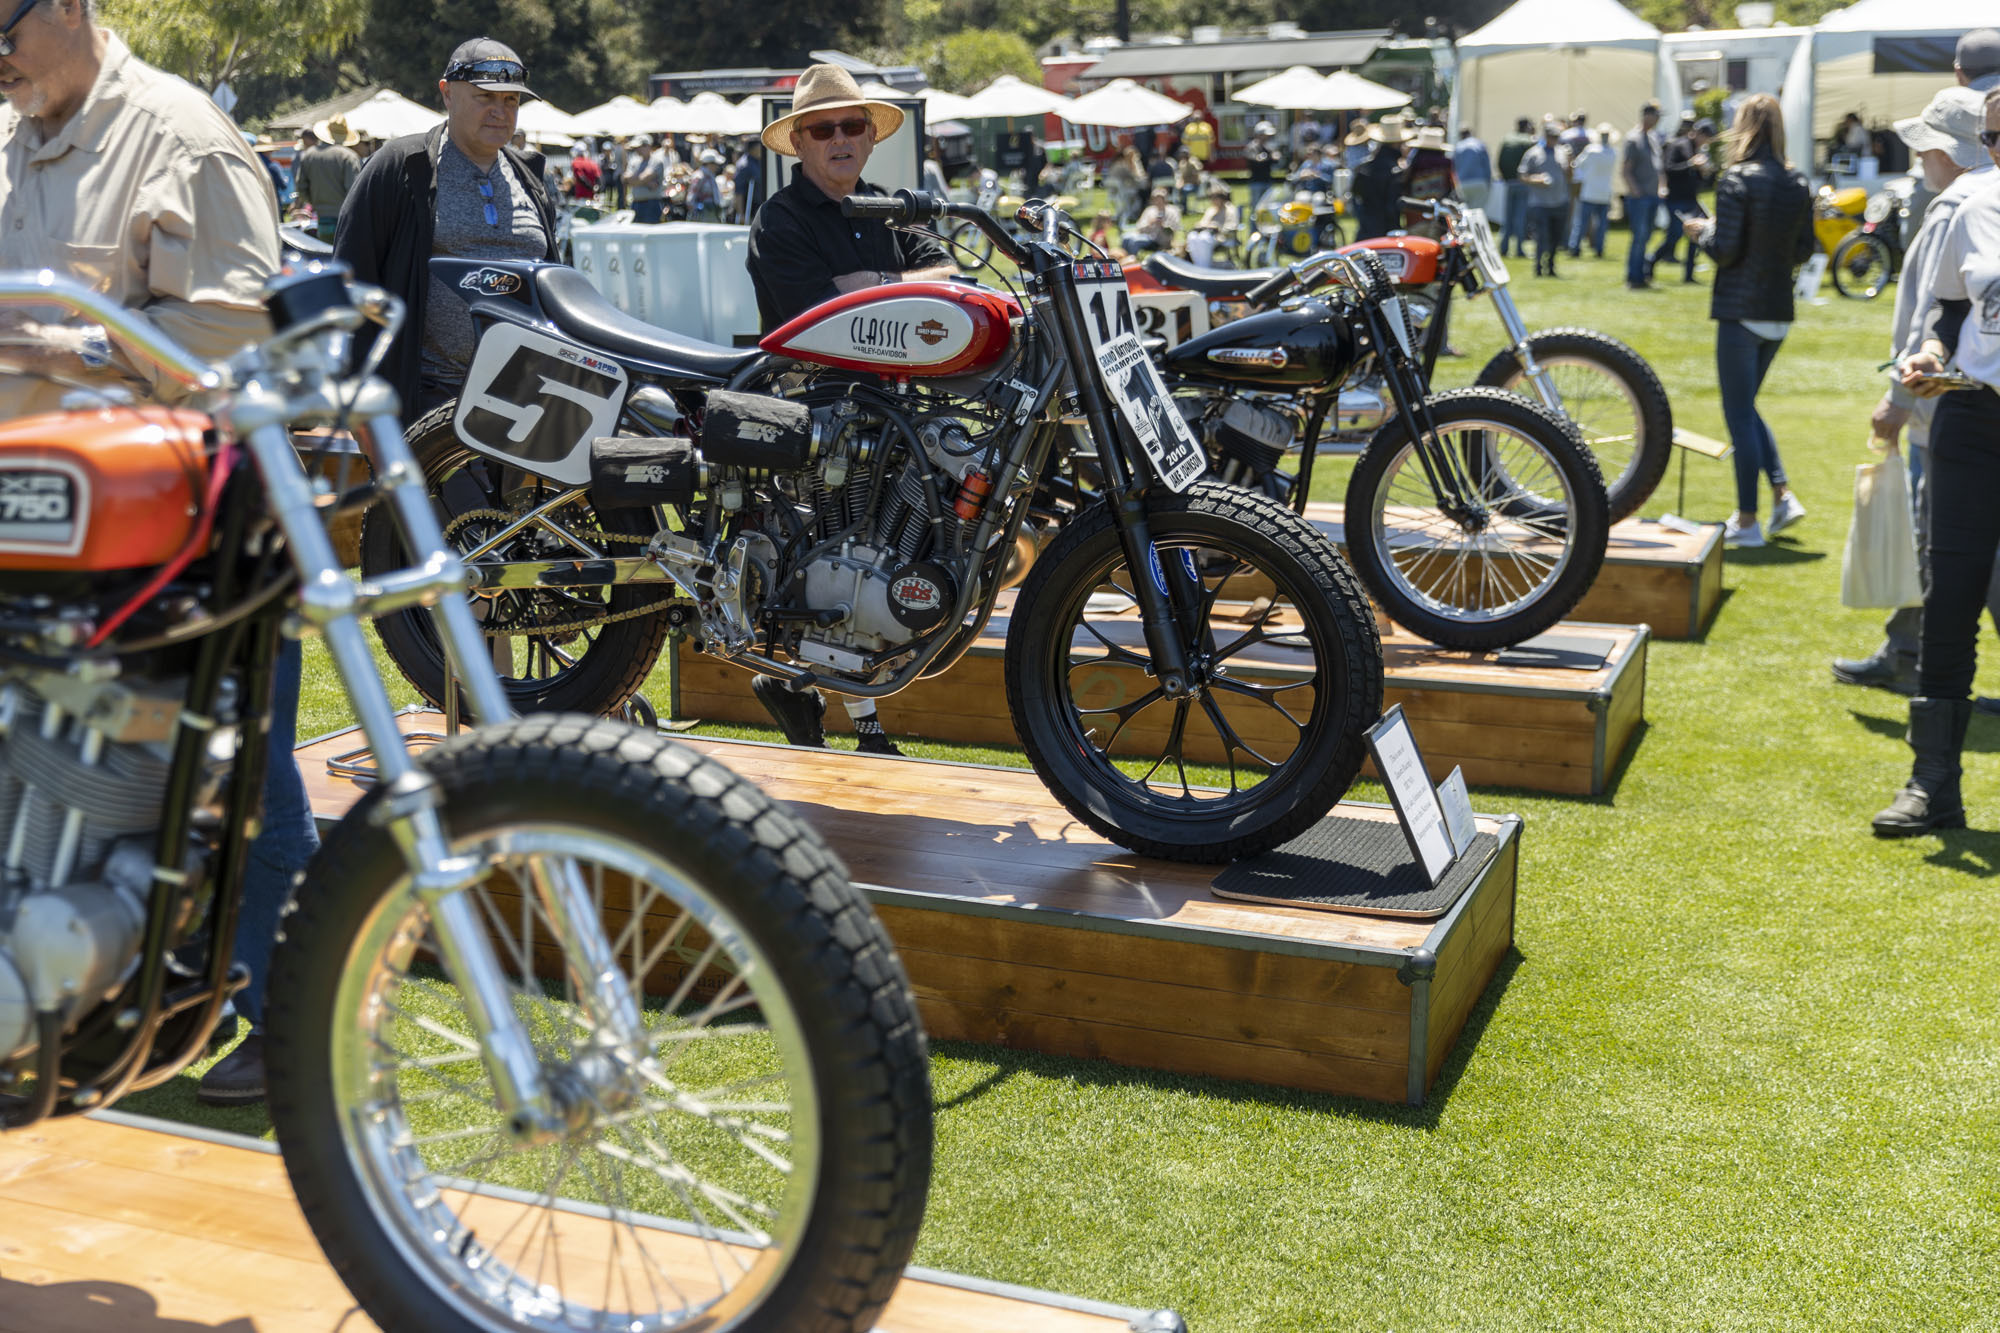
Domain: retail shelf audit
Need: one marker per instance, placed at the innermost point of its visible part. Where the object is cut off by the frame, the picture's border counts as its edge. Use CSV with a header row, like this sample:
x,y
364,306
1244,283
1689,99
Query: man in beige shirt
x,y
133,183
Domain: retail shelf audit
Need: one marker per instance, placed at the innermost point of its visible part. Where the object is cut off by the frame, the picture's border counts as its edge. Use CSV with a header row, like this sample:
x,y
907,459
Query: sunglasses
x,y
486,192
7,33
1990,138
487,71
825,130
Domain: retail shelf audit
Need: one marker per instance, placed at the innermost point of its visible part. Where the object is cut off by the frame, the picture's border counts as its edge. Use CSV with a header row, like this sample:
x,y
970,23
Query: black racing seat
x,y
581,312
1177,272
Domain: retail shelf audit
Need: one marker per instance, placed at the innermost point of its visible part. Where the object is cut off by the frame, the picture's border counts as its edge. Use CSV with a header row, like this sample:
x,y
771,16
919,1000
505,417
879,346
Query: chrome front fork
x,y
1517,334
334,604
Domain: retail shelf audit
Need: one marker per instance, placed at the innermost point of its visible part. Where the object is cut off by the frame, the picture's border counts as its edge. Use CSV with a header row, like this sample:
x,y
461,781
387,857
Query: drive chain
x,y
539,631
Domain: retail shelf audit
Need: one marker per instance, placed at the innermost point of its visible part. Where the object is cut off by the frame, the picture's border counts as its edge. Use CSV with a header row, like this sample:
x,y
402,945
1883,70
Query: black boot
x,y
872,739
1885,670
1930,799
238,1078
799,713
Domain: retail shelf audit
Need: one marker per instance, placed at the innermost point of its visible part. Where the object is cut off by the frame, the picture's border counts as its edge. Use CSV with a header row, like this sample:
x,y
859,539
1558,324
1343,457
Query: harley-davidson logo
x,y
931,332
490,282
916,594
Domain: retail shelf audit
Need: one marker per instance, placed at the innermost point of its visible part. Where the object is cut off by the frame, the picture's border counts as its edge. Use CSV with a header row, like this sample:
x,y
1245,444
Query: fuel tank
x,y
1412,261
100,490
906,328
1304,344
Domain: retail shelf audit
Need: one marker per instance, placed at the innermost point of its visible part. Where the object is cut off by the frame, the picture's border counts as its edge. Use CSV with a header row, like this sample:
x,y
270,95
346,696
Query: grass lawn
x,y
1743,1071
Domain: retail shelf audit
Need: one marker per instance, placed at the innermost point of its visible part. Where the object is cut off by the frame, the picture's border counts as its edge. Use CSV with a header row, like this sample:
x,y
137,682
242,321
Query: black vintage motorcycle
x,y
569,1027
841,505
1475,518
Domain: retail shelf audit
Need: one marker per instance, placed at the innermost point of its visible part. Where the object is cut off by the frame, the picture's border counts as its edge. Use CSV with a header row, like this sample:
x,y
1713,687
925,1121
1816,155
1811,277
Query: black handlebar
x,y
909,207
1266,291
899,207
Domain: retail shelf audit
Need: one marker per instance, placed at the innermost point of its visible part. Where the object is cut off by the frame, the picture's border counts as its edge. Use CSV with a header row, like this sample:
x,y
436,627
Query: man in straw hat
x,y
326,170
1377,180
803,252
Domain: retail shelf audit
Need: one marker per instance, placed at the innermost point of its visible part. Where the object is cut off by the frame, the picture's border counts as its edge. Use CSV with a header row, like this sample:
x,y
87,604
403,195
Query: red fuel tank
x,y
906,328
109,489
1412,261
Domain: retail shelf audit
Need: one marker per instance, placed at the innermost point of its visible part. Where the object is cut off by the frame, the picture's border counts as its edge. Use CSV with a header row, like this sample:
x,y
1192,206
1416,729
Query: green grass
x,y
1743,1071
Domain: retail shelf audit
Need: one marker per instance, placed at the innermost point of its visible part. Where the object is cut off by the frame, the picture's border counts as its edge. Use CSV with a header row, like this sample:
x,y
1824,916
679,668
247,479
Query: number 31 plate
x,y
1131,379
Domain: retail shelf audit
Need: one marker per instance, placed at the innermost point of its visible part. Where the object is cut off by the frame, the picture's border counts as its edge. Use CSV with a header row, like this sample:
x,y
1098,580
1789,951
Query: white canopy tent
x,y
621,117
1302,88
711,114
1884,59
1767,56
389,114
1009,97
1555,56
544,122
1125,105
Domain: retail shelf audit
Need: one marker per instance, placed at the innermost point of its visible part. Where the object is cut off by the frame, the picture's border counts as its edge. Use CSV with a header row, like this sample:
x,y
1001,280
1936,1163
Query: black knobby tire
x,y
1631,470
1554,484
1213,524
612,665
783,889
1862,266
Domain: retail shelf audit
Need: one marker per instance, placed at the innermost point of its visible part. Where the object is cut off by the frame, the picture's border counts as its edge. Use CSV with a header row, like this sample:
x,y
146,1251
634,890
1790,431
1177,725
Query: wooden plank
x,y
1491,933
208,1237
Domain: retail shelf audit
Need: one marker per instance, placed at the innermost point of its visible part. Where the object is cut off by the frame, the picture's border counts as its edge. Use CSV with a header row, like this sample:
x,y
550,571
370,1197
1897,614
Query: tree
x,y
967,61
732,34
578,52
209,42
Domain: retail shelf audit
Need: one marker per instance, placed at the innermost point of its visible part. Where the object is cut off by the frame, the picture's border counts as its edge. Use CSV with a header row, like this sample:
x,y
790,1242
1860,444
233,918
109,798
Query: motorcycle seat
x,y
1177,272
581,312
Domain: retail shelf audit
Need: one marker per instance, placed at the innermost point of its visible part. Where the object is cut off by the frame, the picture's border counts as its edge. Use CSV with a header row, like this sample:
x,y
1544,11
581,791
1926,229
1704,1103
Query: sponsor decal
x,y
645,474
490,282
916,594
931,332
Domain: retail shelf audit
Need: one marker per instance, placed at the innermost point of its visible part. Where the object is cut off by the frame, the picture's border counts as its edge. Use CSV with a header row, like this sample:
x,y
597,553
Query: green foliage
x,y
208,42
925,22
730,34
1708,106
967,61
578,52
1680,15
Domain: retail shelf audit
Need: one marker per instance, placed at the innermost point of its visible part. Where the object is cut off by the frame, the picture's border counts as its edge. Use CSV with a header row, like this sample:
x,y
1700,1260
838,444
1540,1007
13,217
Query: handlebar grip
x,y
1268,290
903,206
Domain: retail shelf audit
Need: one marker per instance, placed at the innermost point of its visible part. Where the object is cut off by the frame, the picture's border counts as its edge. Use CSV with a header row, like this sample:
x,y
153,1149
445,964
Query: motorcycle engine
x,y
83,778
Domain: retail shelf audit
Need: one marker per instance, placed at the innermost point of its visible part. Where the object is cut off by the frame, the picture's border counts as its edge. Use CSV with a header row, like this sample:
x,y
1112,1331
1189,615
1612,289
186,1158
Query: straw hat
x,y
1390,129
335,131
1357,134
829,88
1429,136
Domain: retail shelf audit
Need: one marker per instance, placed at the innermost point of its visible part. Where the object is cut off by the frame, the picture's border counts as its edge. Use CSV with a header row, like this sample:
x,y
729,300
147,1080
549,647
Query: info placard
x,y
1401,765
1457,803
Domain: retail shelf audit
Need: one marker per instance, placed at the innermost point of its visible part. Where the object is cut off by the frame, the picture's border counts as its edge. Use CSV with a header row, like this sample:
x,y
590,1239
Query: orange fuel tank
x,y
105,489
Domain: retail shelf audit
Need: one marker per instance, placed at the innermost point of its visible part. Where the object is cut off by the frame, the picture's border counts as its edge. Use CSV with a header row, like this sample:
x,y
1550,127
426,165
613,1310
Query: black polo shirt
x,y
800,243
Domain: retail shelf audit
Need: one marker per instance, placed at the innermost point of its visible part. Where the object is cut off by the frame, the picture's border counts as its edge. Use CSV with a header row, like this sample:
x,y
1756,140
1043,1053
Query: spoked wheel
x,y
756,1157
591,652
1516,560
1862,266
1610,394
1285,672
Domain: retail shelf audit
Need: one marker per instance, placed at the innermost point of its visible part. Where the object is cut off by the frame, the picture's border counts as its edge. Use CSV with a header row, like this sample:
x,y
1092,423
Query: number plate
x,y
42,509
539,402
1479,233
1128,375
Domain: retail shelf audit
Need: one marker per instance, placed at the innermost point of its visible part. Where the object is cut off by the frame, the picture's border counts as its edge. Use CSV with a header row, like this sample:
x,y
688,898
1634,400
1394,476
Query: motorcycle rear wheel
x,y
1611,395
583,671
1080,677
1522,567
1862,266
764,1166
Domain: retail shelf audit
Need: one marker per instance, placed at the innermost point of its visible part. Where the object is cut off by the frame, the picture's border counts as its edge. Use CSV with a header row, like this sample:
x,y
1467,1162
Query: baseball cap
x,y
1979,53
485,63
1950,124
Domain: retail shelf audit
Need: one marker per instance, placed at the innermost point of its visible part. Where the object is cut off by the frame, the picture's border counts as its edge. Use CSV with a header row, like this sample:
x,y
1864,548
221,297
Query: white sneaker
x,y
1735,536
1784,513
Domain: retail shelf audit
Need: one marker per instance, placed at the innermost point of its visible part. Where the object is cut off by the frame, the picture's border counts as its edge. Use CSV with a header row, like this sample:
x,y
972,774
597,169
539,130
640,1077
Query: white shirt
x,y
1969,270
1595,167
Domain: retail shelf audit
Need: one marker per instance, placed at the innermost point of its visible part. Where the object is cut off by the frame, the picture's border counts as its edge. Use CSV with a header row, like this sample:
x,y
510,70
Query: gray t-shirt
x,y
464,233
1544,160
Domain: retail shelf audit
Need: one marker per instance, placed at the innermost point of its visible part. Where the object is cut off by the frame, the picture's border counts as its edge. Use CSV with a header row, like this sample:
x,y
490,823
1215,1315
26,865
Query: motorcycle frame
x,y
297,379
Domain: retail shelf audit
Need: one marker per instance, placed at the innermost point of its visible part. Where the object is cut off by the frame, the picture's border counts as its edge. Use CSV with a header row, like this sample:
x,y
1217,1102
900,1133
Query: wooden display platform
x,y
120,1224
1654,576
1020,927
1552,729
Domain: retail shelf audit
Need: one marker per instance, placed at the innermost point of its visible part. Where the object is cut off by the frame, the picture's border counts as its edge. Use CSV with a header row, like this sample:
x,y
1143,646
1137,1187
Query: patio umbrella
x,y
389,114
1124,105
1009,97
941,105
544,122
713,114
621,117
1351,92
1300,88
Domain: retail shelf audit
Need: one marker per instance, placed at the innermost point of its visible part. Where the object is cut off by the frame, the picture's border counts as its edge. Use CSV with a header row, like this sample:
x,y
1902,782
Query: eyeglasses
x,y
1989,137
851,129
487,71
7,33
486,191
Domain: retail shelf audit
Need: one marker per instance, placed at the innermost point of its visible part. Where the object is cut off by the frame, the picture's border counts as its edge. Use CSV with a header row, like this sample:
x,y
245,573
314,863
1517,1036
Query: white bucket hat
x,y
1950,124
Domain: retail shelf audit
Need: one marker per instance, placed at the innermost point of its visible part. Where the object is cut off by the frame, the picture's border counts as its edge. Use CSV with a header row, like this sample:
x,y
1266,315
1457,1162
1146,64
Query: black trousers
x,y
1964,492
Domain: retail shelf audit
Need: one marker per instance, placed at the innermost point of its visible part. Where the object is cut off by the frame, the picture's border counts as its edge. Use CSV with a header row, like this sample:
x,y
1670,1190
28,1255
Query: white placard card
x,y
1457,803
1410,791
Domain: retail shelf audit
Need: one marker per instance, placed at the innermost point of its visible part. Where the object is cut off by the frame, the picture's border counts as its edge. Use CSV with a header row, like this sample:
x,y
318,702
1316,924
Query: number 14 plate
x,y
1131,379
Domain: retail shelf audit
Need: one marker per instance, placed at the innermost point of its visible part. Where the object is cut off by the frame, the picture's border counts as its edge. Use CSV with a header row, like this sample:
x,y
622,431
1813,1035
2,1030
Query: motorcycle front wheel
x,y
758,1160
1611,395
1862,266
1510,567
1285,672
597,647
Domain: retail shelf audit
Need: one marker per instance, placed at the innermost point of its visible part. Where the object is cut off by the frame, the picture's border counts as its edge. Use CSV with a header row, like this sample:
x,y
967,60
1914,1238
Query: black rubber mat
x,y
1354,865
1573,652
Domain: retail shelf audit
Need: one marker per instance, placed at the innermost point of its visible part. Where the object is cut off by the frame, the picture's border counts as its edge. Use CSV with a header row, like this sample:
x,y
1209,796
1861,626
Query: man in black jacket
x,y
458,190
